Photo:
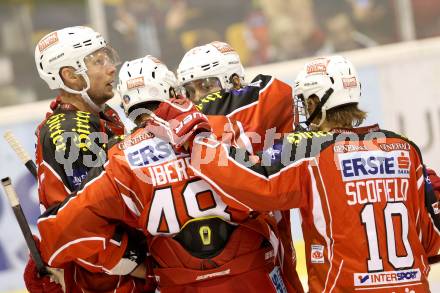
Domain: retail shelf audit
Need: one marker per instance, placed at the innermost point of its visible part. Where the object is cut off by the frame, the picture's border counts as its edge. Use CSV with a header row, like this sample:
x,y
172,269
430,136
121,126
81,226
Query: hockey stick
x,y
56,275
21,219
21,153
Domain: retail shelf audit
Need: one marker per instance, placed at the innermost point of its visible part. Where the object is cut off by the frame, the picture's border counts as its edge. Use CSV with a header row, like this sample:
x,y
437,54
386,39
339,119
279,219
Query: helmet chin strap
x,y
84,95
323,116
319,109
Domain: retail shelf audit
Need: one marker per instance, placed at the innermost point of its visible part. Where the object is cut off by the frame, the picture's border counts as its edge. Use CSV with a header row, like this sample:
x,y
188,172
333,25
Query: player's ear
x,y
70,78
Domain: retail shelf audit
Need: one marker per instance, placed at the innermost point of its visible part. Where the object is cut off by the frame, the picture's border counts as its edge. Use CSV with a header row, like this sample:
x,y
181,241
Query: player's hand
x,y
39,284
183,120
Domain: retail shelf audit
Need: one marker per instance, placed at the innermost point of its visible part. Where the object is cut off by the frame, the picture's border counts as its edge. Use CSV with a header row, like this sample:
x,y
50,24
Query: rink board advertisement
x,y
399,90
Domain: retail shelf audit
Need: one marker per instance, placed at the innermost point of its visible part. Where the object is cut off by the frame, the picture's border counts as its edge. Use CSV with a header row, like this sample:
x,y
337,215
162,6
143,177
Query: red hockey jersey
x,y
369,217
253,117
265,106
69,143
149,187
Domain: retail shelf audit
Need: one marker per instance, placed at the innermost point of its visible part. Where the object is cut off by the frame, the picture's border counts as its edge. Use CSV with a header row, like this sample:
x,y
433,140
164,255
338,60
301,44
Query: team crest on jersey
x,y
317,254
374,165
384,278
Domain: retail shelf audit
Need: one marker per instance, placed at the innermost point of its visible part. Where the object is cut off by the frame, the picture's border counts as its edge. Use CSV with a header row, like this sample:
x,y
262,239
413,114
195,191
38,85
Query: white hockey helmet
x,y
144,80
69,47
216,59
333,80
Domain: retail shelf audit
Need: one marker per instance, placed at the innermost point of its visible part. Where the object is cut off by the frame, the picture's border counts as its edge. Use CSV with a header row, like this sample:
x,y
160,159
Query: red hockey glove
x,y
35,283
435,180
182,119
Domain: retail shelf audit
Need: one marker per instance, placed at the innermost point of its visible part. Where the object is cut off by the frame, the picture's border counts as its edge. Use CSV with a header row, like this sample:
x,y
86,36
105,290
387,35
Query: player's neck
x,y
77,101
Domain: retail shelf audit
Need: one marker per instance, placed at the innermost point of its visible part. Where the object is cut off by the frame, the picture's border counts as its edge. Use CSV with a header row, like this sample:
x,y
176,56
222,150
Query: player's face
x,y
200,88
101,70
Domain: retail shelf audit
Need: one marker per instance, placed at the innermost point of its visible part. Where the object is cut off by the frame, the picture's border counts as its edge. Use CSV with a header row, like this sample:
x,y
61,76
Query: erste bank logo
x,y
149,152
374,164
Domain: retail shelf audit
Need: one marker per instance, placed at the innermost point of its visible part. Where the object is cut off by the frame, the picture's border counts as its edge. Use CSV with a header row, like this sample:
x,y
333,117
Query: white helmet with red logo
x,y
333,80
69,47
145,80
216,59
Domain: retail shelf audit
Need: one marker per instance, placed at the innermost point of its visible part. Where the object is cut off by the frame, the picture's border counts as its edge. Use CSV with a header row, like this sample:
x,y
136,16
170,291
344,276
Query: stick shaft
x,y
24,227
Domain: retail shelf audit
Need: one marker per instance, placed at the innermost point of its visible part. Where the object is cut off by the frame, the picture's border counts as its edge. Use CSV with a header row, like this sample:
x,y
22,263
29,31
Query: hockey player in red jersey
x,y
247,115
213,78
72,139
370,217
199,243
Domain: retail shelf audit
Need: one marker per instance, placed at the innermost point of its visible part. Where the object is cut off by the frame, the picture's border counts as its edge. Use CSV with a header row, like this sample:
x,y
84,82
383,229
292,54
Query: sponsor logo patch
x,y
374,164
384,278
48,41
149,152
318,65
317,254
277,280
349,82
77,177
135,82
394,146
223,47
349,148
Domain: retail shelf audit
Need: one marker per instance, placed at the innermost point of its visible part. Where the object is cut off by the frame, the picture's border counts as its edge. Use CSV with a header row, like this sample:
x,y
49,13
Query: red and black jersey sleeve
x,y
93,241
266,103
